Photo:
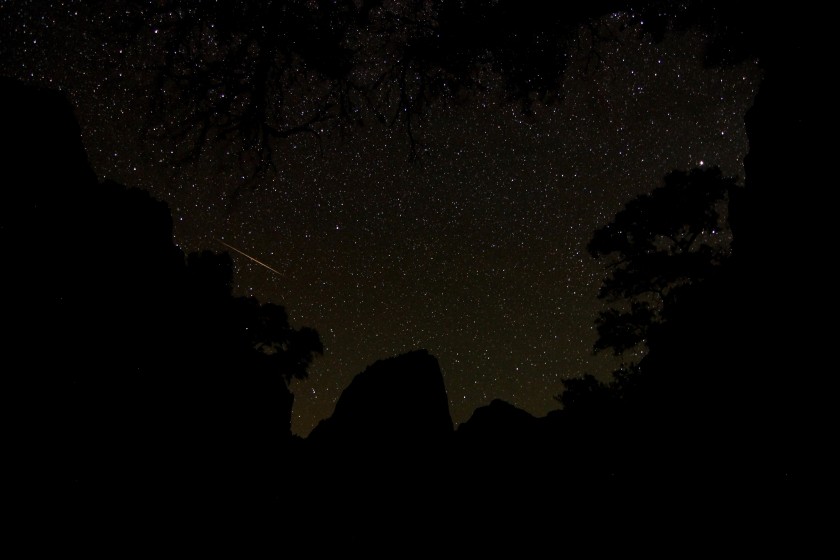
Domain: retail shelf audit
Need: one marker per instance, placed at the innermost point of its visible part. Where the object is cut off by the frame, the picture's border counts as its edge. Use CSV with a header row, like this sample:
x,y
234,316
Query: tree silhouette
x,y
241,78
246,77
585,393
283,350
253,333
657,244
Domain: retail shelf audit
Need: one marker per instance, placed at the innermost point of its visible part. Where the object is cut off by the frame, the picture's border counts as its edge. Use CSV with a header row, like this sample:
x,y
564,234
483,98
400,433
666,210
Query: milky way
x,y
474,250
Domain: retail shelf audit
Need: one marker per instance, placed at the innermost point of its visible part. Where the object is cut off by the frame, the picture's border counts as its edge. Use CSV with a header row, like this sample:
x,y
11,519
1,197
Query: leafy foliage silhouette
x,y
659,242
239,79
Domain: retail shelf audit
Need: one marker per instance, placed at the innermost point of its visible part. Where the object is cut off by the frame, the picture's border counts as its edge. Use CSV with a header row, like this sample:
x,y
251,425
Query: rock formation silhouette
x,y
398,403
136,378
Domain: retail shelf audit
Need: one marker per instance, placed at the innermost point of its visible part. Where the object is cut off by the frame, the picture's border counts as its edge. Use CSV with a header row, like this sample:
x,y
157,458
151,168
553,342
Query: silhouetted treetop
x,y
659,242
241,77
262,331
246,76
283,349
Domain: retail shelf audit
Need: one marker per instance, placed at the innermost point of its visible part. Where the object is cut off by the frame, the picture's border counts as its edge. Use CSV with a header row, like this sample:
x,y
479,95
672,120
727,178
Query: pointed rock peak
x,y
395,402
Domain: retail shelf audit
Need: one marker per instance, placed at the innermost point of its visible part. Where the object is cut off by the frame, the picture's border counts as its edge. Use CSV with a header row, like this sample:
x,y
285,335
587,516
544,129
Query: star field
x,y
474,250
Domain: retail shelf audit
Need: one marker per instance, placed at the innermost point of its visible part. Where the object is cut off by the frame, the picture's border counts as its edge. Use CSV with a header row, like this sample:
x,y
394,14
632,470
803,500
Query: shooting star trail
x,y
246,255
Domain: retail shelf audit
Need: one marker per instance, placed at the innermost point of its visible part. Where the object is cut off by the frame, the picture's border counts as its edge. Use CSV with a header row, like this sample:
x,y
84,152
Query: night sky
x,y
474,250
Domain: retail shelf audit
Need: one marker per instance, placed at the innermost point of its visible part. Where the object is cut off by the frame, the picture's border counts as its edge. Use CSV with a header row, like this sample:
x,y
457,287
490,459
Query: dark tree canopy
x,y
658,243
259,333
281,349
241,77
585,393
245,76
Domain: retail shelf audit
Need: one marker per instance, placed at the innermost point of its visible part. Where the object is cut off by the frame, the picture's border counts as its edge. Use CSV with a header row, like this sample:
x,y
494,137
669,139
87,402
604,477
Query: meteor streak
x,y
246,255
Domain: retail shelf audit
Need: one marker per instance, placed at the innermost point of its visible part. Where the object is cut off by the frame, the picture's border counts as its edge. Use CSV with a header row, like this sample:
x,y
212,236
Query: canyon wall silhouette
x,y
133,375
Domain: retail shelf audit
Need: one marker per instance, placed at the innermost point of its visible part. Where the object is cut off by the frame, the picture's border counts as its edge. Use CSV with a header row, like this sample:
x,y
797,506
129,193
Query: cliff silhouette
x,y
135,382
134,376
